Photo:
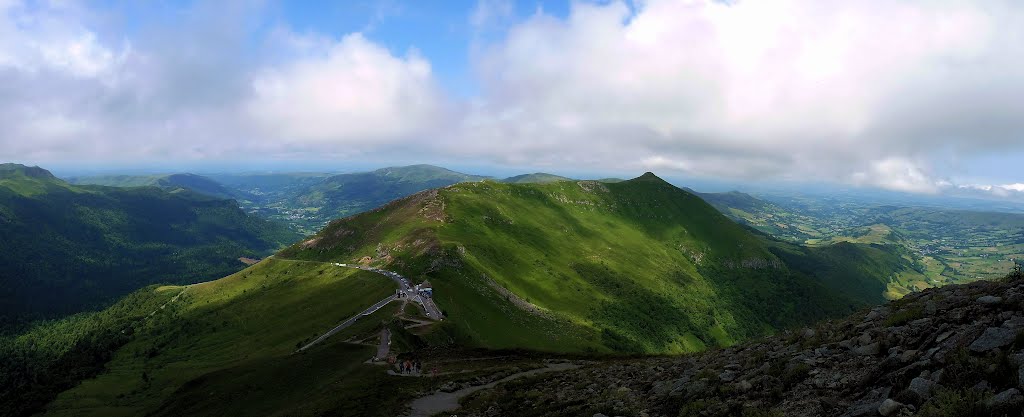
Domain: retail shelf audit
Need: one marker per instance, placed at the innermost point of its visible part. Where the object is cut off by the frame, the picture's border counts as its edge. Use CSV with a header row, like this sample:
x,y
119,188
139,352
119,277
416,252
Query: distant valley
x,y
306,201
945,245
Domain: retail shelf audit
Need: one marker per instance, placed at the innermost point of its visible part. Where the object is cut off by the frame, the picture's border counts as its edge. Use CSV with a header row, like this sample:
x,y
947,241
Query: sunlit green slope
x,y
636,266
67,248
261,313
573,266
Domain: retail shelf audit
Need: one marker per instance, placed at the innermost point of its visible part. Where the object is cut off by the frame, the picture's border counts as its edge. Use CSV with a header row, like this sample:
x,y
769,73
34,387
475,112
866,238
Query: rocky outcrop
x,y
514,299
951,351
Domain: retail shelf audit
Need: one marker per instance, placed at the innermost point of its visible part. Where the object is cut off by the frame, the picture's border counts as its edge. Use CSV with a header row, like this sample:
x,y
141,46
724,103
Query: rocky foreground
x,y
952,351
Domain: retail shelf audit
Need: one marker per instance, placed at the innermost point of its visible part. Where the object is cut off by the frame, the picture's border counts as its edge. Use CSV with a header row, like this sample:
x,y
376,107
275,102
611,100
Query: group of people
x,y
411,366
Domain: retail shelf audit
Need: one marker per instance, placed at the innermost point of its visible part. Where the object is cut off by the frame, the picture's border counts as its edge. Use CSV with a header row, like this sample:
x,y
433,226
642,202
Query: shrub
x,y
761,412
955,403
795,373
905,316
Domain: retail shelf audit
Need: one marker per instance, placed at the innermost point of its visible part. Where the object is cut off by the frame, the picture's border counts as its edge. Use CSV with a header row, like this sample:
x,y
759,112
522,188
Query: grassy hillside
x,y
308,201
578,267
250,317
169,182
66,248
535,178
768,217
346,194
57,355
575,266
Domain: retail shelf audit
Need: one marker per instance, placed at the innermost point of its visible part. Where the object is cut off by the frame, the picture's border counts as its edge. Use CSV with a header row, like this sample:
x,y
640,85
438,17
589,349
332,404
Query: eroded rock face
x,y
957,346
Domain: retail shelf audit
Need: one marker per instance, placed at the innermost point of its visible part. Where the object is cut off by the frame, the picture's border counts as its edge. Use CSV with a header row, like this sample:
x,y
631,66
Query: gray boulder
x,y
990,299
993,337
889,407
1009,398
868,350
922,388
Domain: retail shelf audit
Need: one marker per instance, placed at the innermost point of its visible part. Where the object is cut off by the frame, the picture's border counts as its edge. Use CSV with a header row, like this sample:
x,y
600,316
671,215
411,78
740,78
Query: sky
x,y
911,96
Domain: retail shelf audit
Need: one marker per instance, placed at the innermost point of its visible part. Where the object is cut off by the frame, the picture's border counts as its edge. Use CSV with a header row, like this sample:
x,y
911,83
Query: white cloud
x,y
67,93
489,12
852,91
81,57
997,190
873,92
899,175
345,93
53,40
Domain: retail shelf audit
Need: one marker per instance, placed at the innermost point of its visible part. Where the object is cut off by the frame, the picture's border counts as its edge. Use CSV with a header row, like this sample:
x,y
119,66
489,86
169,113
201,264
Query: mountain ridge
x,y
438,231
578,267
170,182
72,247
536,177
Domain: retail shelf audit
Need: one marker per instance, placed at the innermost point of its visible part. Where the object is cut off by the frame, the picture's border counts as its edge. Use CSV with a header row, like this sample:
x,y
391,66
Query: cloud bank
x,y
872,93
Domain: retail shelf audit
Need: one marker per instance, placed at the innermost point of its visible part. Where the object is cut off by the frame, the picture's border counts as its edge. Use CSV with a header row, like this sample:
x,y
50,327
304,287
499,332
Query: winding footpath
x,y
385,344
444,402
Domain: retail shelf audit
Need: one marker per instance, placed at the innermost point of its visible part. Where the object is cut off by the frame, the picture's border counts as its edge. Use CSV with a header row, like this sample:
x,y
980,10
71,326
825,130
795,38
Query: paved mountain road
x,y
411,292
405,290
373,309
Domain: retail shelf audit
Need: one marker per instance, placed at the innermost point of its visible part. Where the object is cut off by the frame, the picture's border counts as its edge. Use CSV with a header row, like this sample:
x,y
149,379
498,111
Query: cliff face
x,y
952,351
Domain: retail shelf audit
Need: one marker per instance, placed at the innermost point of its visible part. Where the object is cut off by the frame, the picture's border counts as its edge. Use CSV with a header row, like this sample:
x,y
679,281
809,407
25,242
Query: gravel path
x,y
449,401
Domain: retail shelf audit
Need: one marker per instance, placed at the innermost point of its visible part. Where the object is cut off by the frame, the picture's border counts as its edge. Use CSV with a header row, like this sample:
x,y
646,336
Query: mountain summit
x,y
9,169
536,177
649,177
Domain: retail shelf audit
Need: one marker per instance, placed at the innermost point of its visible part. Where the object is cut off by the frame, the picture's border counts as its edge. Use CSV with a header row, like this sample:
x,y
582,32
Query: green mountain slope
x,y
763,215
734,200
346,194
535,178
176,334
634,266
637,266
66,248
170,182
